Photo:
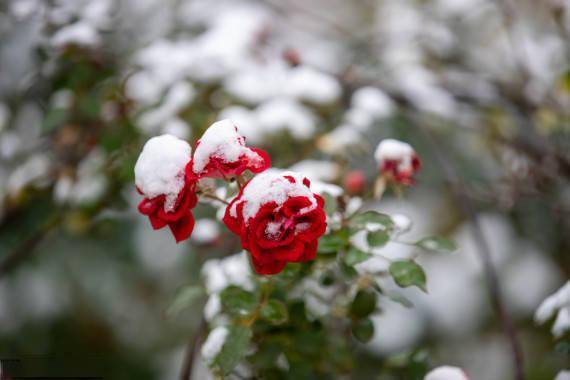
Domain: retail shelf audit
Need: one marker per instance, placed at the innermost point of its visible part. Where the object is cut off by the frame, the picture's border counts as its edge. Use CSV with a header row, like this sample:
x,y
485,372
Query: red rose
x,y
179,218
222,153
278,219
391,169
398,161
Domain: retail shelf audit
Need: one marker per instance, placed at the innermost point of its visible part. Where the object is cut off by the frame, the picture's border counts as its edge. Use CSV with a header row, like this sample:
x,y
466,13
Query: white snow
x,y
286,114
205,231
446,373
341,138
317,170
160,168
178,96
222,140
177,127
558,302
402,222
272,186
214,343
396,150
314,86
218,274
247,121
213,307
373,101
80,33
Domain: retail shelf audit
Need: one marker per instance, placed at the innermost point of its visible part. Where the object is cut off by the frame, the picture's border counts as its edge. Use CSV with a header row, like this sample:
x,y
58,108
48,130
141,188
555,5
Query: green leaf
x,y
363,305
437,244
275,312
360,221
377,238
238,302
408,273
363,330
398,298
355,256
330,243
234,348
184,298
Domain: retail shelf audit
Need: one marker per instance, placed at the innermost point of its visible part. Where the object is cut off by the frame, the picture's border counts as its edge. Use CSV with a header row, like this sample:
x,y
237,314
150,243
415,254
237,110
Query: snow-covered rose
x,y
446,373
279,220
163,177
397,161
221,153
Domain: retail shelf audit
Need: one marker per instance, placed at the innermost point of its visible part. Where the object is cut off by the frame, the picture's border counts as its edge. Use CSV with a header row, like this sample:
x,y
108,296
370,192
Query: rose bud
x,y
163,177
221,153
397,160
354,182
278,219
446,373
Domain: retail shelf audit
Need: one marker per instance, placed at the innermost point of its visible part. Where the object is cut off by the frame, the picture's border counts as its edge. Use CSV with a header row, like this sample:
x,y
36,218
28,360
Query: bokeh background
x,y
481,89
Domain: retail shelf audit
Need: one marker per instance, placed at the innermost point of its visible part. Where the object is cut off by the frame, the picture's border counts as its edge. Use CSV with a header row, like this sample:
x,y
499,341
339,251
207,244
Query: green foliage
x,y
363,330
184,298
361,221
408,273
275,312
436,244
234,348
377,238
238,302
363,304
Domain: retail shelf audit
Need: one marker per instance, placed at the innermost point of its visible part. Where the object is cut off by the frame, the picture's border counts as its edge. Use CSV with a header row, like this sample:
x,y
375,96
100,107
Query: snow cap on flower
x,y
446,373
160,168
278,219
221,152
272,187
397,160
162,176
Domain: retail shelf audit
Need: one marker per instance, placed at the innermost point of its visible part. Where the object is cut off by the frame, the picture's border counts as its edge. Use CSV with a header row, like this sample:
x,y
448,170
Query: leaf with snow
x,y
408,273
234,348
436,244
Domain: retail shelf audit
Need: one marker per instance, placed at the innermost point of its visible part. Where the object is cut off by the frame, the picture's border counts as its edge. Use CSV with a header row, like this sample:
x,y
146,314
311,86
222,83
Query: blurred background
x,y
480,88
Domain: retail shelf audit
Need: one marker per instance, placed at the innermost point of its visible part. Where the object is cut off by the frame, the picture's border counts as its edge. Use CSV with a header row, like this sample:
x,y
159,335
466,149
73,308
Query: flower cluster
x,y
276,215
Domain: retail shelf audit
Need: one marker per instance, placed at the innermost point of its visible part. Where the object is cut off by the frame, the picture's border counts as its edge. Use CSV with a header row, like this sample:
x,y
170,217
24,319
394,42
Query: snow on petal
x,y
223,142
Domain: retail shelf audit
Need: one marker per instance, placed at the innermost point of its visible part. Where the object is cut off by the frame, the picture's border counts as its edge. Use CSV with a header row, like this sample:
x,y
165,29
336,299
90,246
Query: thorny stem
x,y
484,252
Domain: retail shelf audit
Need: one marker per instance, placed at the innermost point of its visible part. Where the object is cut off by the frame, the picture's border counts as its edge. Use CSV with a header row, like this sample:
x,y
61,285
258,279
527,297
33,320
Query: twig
x,y
484,252
191,349
214,197
26,249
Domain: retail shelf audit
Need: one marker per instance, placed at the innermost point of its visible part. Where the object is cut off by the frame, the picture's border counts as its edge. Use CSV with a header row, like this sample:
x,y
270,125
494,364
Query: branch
x,y
26,249
191,349
484,252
